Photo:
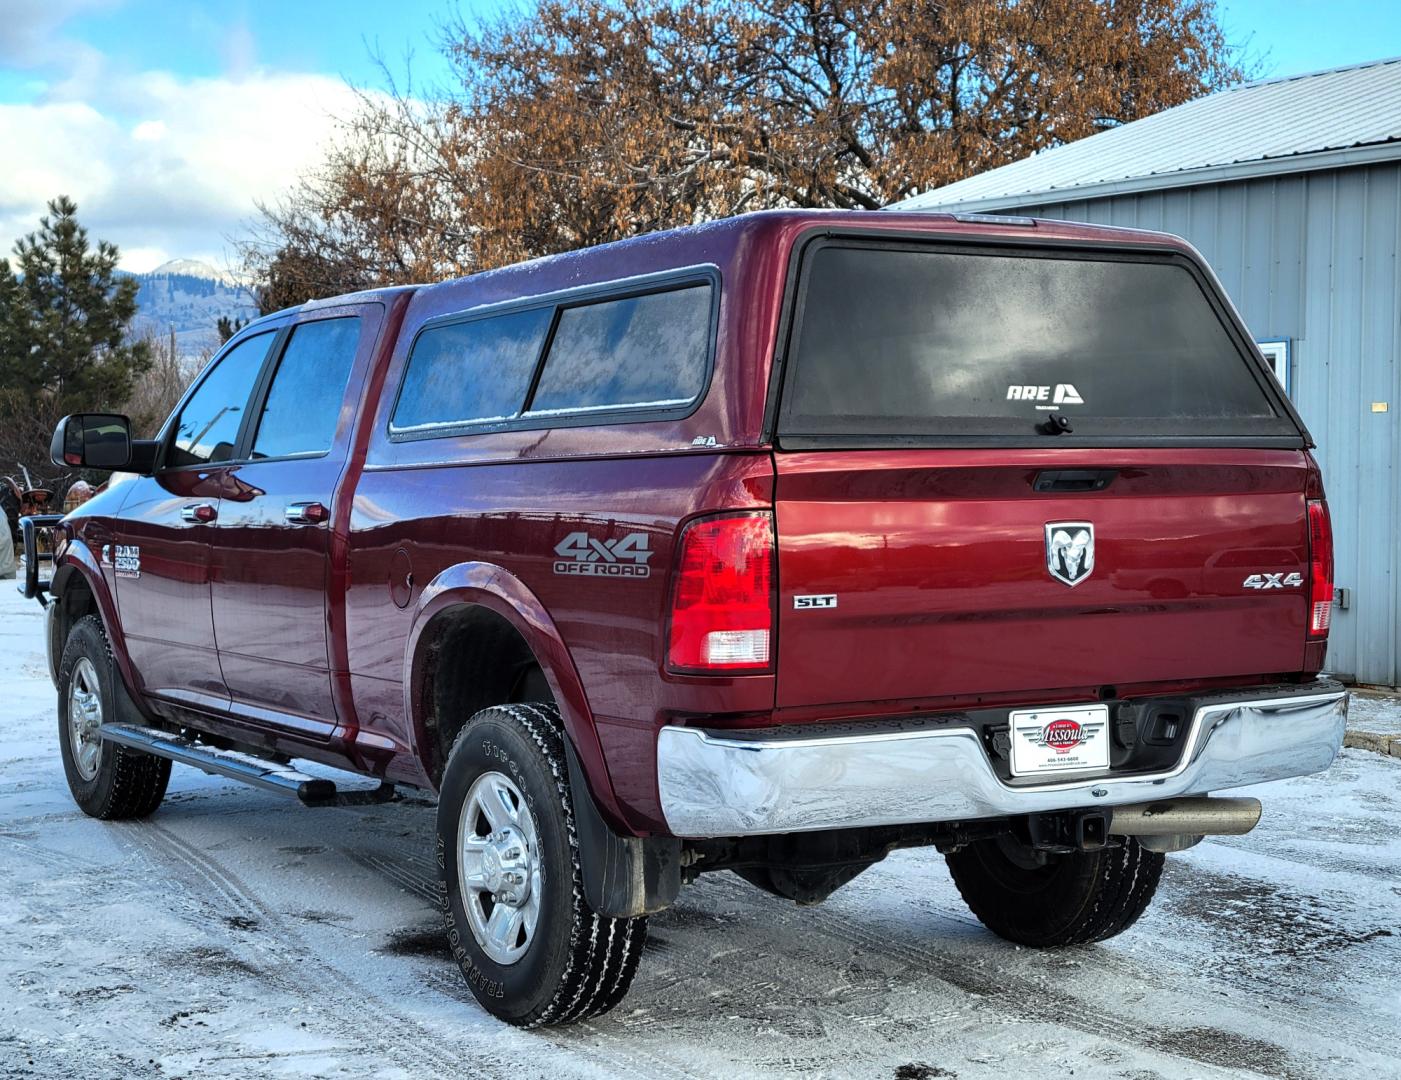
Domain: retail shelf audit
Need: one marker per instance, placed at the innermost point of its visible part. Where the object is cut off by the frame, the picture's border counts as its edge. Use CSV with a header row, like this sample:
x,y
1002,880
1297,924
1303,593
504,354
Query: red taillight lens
x,y
722,608
1320,569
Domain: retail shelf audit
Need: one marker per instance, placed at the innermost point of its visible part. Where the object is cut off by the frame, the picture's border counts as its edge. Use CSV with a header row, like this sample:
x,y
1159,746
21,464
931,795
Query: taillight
x,y
722,606
1320,569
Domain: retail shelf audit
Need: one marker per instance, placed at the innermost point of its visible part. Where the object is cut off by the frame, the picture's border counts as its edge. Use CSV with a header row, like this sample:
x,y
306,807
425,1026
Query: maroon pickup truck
x,y
770,545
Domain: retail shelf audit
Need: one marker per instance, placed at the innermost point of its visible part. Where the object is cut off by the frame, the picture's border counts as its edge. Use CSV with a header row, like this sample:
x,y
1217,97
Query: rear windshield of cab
x,y
904,343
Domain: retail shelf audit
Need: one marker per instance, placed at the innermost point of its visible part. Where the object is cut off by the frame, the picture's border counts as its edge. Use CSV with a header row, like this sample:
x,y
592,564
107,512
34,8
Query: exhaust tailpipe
x,y
1199,816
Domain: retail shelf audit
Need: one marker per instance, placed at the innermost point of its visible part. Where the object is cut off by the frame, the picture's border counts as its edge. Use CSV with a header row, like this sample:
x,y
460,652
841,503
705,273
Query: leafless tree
x,y
575,123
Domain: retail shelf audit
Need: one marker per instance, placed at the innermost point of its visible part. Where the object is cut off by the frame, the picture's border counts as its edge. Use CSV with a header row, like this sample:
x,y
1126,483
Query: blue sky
x,y
1296,36
168,119
192,39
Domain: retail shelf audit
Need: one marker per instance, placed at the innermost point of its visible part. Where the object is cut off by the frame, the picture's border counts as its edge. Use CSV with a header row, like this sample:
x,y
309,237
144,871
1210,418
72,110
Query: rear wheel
x,y
531,948
107,781
1046,901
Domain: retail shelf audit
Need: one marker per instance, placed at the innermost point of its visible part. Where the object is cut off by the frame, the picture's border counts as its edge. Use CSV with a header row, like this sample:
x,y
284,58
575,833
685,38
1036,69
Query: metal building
x,y
1291,188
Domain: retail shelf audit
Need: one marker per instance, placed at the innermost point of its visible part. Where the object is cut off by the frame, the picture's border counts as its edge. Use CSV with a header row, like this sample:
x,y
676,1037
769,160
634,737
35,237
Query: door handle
x,y
199,513
306,513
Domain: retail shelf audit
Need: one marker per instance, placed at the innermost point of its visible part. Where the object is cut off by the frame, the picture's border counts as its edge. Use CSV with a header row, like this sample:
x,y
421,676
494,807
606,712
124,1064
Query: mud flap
x,y
624,876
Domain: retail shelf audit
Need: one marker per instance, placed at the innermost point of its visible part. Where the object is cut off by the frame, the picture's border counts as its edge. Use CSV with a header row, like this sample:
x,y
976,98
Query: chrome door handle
x,y
306,513
199,513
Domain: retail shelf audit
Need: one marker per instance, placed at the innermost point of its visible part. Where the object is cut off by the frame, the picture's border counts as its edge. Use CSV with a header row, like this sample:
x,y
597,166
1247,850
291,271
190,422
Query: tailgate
x,y
940,563
1029,469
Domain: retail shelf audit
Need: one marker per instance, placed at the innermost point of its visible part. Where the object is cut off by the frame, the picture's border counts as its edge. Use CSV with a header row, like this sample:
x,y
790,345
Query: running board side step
x,y
254,771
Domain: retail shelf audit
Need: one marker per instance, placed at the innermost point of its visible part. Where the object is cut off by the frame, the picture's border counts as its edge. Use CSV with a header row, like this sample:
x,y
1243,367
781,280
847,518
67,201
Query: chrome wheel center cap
x,y
506,866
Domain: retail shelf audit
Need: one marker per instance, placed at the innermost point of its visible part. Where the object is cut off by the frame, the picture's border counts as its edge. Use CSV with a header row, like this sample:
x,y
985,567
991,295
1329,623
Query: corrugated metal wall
x,y
1312,257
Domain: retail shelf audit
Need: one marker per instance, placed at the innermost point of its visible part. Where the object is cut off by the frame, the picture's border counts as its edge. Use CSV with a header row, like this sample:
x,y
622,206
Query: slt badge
x,y
1070,551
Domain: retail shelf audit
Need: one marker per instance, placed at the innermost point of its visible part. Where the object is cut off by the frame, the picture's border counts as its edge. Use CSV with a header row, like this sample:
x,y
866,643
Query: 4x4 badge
x,y
581,554
1070,551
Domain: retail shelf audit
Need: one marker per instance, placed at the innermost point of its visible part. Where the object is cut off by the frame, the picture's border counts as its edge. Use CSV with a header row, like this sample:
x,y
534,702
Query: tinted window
x,y
207,430
303,405
911,342
471,372
642,351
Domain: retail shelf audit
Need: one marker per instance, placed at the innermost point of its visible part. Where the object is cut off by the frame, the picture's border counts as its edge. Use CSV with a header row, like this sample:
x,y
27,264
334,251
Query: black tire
x,y
124,783
578,964
1069,900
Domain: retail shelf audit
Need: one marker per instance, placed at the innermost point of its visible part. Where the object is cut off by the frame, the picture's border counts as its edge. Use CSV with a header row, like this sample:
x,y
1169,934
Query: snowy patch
x,y
237,934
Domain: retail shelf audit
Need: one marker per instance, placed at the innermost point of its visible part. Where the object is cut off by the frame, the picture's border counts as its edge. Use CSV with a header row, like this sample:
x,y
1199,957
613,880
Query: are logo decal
x,y
582,555
808,603
1053,397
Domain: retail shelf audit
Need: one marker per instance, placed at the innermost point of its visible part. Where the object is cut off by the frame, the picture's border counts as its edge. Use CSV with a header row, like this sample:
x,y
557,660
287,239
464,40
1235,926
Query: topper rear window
x,y
913,343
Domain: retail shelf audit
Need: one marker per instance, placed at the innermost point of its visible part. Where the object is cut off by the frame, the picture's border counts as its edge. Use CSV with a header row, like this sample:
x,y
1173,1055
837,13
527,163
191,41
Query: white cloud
x,y
160,165
164,166
31,30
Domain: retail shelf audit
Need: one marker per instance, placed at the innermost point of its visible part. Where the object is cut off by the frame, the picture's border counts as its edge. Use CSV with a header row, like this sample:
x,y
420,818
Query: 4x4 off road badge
x,y
1070,551
582,555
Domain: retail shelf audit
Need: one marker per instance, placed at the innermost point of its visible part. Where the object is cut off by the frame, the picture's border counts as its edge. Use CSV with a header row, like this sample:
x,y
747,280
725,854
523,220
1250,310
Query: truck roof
x,y
719,242
382,293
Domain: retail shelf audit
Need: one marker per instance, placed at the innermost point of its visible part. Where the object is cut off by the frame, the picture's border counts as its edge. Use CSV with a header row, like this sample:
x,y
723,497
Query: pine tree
x,y
9,306
228,327
64,315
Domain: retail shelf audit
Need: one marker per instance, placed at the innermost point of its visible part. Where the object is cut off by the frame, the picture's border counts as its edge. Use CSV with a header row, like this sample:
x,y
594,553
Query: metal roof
x,y
1344,116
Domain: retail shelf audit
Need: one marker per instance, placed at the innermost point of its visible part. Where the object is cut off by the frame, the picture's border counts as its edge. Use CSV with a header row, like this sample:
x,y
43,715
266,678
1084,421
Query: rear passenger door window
x,y
475,372
648,351
303,405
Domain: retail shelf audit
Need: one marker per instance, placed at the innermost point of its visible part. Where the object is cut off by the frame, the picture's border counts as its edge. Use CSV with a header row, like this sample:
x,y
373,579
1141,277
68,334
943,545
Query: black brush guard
x,y
30,584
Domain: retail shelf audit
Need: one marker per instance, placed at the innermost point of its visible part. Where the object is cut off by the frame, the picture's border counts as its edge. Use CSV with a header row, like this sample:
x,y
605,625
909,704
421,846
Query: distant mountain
x,y
188,296
188,268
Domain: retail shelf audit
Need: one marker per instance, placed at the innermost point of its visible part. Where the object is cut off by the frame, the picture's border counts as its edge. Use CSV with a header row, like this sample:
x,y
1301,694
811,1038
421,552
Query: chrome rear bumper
x,y
739,784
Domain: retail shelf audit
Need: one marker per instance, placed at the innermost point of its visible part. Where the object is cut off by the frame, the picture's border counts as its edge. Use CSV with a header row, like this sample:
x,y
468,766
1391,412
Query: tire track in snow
x,y
289,959
617,1060
414,877
40,854
1184,889
1017,999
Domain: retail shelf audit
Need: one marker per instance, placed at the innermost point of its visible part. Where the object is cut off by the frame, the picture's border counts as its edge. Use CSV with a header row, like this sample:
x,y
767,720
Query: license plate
x,y
1060,740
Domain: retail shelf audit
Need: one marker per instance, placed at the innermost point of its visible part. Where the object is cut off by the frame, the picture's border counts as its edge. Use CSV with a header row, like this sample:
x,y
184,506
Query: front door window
x,y
207,429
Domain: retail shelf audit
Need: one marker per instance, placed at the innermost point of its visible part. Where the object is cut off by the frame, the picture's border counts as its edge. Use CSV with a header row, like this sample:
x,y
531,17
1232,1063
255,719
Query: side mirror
x,y
92,441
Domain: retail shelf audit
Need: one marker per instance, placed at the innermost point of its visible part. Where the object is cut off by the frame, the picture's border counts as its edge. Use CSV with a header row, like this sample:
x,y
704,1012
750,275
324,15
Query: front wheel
x,y
108,781
1046,901
531,948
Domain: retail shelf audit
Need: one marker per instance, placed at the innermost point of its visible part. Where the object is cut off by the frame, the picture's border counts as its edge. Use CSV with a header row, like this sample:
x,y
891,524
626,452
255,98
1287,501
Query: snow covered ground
x,y
237,934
